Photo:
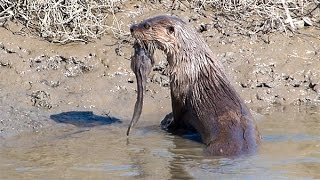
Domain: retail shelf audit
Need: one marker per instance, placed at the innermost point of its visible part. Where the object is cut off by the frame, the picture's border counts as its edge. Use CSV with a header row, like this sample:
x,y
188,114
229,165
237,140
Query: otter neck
x,y
189,58
195,69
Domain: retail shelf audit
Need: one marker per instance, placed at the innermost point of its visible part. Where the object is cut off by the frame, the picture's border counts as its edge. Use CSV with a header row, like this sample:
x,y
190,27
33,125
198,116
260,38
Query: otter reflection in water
x,y
202,97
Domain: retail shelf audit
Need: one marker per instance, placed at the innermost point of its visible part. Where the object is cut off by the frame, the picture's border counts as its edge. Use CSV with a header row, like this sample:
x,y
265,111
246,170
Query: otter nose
x,y
133,28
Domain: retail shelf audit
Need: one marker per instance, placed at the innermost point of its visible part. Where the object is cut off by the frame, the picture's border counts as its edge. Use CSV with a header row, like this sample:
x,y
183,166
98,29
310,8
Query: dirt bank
x,y
41,79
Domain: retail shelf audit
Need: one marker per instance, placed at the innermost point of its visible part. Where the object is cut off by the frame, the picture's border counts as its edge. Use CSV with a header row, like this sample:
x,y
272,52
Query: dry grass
x,y
265,15
62,21
66,21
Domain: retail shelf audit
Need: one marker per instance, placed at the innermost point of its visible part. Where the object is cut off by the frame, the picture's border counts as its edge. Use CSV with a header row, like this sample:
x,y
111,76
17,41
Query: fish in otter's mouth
x,y
145,38
141,65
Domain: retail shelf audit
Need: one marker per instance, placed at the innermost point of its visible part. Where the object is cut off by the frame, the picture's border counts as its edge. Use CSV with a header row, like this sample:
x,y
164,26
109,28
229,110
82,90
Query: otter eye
x,y
170,29
146,26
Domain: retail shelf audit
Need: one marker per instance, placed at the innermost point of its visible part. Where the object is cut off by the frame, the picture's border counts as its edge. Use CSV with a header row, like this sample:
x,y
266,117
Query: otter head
x,y
158,32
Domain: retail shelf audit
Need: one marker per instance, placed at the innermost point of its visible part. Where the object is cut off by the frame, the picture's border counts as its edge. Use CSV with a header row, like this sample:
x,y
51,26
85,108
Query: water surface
x,y
290,150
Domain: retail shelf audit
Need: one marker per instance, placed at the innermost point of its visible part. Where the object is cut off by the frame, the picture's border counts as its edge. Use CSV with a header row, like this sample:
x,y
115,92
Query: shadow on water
x,y
84,119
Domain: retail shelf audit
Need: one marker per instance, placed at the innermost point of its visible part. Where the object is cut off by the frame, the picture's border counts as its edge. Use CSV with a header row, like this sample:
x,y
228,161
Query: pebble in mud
x,y
44,62
73,66
41,99
316,88
160,79
5,64
52,84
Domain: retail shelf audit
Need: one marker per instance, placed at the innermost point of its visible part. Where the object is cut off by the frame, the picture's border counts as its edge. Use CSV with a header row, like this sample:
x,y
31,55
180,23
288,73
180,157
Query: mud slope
x,y
39,79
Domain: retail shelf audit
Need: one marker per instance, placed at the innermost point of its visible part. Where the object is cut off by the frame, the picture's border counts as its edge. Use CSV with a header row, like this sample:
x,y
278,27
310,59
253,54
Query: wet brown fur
x,y
202,96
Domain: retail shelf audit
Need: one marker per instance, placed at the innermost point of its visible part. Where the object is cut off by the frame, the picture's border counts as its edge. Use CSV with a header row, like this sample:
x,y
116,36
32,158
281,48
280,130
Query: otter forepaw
x,y
167,121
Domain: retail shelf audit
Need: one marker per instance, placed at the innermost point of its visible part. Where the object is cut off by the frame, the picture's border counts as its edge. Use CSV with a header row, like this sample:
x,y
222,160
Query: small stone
x,y
130,81
307,21
299,24
41,99
229,54
203,28
316,88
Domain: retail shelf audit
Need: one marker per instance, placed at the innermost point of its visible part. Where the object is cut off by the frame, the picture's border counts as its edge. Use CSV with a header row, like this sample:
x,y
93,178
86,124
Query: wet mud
x,y
39,79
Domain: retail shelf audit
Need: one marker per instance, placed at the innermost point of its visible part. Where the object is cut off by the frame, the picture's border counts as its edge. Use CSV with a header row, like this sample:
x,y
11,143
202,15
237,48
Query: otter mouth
x,y
149,46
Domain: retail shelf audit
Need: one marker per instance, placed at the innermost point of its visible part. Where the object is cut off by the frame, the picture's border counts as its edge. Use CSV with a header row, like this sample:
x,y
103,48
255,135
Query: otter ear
x,y
170,29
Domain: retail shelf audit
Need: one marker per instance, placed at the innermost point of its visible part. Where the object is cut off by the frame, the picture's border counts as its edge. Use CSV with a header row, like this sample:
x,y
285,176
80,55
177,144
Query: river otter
x,y
201,94
141,65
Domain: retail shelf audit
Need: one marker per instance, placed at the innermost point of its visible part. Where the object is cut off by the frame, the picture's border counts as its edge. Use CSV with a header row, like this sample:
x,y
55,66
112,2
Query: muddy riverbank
x,y
40,79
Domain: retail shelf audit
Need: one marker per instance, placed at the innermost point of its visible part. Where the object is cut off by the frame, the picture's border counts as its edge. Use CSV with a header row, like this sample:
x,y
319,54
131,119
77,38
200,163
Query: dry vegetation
x,y
61,20
81,20
253,16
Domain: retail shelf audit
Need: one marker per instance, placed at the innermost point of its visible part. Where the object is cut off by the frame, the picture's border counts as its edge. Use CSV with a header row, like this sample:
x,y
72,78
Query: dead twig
x,y
64,21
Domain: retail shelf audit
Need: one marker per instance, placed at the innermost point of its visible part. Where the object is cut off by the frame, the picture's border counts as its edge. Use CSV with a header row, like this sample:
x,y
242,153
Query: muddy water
x,y
87,150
